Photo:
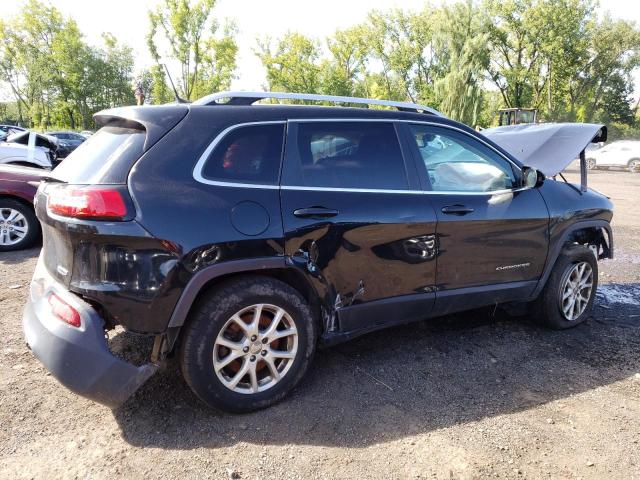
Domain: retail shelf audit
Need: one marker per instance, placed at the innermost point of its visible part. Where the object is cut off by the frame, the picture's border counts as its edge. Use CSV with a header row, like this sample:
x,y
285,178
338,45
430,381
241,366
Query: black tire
x,y
30,221
547,308
212,313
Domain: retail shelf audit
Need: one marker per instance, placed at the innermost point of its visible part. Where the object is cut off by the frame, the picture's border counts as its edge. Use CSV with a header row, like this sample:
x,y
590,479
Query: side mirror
x,y
531,177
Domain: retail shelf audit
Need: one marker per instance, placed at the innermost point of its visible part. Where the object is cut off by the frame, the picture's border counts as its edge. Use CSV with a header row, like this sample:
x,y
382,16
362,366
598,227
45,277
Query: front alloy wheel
x,y
591,164
568,296
576,290
634,166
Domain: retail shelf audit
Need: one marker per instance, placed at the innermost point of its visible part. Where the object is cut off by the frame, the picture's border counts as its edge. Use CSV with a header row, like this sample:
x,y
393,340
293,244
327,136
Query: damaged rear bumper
x,y
78,357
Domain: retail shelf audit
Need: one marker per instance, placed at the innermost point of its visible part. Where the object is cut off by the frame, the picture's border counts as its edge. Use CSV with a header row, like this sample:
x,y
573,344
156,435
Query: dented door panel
x,y
379,245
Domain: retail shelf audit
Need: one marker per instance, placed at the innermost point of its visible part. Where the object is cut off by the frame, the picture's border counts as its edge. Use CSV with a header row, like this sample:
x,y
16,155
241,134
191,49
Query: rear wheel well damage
x,y
166,342
598,239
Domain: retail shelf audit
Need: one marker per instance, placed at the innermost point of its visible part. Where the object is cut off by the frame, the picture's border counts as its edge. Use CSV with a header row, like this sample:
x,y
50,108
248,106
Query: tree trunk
x,y
549,108
72,122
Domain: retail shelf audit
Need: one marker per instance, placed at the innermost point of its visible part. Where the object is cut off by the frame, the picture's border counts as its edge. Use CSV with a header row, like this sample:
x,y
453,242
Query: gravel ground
x,y
468,396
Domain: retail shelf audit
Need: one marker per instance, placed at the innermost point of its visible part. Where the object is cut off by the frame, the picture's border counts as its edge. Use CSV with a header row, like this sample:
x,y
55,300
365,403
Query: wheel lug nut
x,y
253,338
245,349
265,340
264,352
253,358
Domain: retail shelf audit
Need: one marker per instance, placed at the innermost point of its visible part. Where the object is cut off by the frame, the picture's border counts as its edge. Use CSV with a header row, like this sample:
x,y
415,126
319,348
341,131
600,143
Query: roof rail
x,y
248,98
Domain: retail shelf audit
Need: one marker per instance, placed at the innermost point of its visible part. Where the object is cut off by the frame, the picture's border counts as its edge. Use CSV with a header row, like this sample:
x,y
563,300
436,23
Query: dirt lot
x,y
470,396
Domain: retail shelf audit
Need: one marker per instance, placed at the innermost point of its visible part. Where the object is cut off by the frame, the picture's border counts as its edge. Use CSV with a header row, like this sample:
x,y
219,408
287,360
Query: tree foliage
x,y
467,59
55,77
554,55
185,32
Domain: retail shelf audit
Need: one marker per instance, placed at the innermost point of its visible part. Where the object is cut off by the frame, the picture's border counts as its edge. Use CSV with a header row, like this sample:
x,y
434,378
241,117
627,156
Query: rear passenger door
x,y
356,222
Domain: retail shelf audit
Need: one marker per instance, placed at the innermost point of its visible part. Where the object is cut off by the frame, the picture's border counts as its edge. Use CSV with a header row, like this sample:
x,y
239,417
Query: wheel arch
x,y
26,203
597,232
209,278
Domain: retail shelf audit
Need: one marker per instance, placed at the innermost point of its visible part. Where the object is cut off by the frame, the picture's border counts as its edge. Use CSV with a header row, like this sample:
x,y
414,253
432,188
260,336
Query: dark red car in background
x,y
19,227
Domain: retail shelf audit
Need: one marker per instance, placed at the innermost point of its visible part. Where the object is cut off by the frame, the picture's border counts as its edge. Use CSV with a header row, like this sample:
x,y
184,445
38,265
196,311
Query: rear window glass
x,y
350,155
248,154
105,157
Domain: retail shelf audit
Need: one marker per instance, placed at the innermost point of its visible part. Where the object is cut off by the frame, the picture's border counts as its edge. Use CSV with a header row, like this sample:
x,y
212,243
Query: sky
x,y
127,20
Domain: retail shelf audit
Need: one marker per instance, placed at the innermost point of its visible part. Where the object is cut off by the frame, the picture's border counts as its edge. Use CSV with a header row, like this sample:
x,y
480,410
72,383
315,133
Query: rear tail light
x,y
64,311
104,203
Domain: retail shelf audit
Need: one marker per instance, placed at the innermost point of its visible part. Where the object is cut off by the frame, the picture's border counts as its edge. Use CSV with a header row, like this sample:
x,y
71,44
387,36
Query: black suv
x,y
242,236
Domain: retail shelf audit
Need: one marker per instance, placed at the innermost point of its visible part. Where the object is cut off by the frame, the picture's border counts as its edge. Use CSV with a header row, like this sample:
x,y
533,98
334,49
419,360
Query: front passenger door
x,y
492,234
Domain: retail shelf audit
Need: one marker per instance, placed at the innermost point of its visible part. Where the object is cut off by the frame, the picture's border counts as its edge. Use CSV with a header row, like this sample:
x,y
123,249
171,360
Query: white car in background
x,y
621,154
29,149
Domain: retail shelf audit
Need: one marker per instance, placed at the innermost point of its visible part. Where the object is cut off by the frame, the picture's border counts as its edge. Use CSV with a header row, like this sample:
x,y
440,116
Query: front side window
x,y
249,154
457,162
349,155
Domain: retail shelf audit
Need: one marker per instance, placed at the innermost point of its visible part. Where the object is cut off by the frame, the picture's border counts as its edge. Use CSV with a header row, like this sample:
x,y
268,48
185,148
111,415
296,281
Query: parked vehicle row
x,y
42,150
6,130
242,237
67,142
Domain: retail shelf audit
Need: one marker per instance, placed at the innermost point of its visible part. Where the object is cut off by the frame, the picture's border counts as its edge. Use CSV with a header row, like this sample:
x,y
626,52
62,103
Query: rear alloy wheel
x,y
247,343
569,294
591,164
255,348
634,166
19,227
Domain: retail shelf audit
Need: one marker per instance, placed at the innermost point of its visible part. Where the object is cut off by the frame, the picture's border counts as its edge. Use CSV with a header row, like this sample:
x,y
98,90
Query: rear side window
x,y
105,157
349,155
249,154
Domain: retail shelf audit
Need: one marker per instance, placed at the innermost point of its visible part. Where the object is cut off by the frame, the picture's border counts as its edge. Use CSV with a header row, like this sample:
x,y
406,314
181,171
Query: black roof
x,y
157,120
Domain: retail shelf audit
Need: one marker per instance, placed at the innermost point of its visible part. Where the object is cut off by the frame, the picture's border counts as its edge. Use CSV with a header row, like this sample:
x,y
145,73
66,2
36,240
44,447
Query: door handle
x,y
456,210
317,212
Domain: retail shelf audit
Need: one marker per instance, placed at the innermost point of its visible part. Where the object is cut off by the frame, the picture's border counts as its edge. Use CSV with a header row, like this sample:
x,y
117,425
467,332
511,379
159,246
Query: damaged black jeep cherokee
x,y
242,236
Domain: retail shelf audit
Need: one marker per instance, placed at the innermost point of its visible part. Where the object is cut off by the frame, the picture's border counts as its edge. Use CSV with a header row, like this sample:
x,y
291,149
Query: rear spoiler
x,y
157,120
549,147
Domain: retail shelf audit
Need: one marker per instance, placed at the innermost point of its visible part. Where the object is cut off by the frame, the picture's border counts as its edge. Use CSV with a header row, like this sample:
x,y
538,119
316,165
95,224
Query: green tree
x,y
345,72
292,64
616,100
516,62
462,45
613,53
55,76
187,31
402,44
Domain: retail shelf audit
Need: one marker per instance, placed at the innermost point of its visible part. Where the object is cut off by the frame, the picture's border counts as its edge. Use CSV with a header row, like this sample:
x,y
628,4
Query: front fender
x,y
559,244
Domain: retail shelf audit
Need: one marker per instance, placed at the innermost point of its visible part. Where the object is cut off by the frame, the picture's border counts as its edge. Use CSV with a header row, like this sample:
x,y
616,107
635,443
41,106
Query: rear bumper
x,y
78,357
